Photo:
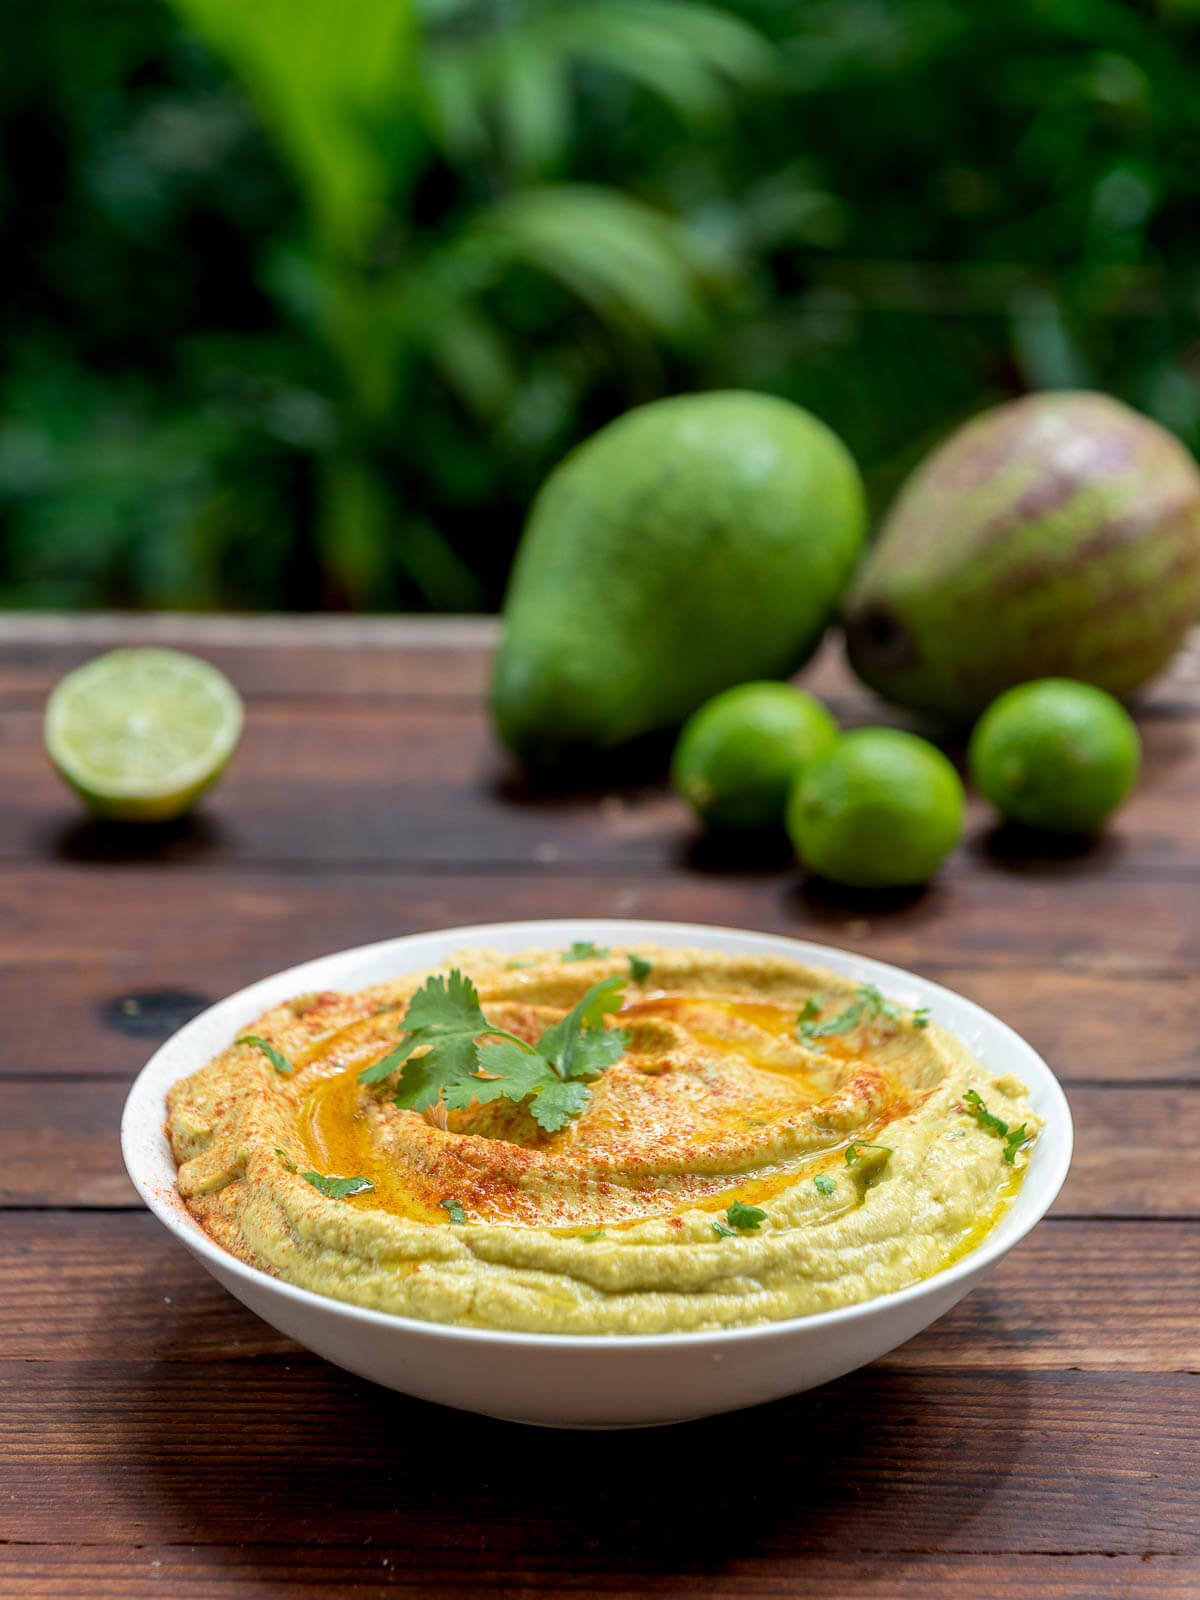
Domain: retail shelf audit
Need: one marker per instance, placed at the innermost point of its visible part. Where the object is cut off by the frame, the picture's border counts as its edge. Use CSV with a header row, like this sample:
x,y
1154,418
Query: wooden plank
x,y
440,658
1101,981
1134,1153
384,1568
1093,1295
403,782
342,654
279,1451
260,920
97,1016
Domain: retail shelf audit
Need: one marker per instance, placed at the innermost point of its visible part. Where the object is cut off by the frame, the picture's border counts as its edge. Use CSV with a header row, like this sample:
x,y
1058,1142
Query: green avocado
x,y
1055,536
692,544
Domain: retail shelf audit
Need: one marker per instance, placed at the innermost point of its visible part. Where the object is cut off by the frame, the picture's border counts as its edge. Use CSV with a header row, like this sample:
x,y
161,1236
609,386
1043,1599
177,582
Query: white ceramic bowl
x,y
564,1380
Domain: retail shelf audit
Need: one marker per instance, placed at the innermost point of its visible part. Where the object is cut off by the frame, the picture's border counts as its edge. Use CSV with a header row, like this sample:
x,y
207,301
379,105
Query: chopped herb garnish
x,y
810,1010
1013,1138
278,1061
747,1218
445,1021
639,967
337,1188
588,1237
852,1149
1016,1138
286,1159
517,966
921,1018
722,1232
867,1005
457,1214
824,1183
581,950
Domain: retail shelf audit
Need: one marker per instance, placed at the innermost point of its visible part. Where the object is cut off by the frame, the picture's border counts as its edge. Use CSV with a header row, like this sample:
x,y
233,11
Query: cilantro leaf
x,y
580,1046
1016,1138
286,1159
337,1188
558,1103
581,950
457,1214
1013,1138
722,1232
445,1022
747,1218
865,1007
921,1018
984,1117
445,1019
855,1145
278,1061
639,967
824,1183
810,1011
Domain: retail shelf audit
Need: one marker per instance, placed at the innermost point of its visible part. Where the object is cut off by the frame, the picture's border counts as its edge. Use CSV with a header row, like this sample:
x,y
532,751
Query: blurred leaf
x,y
625,260
519,75
321,72
685,53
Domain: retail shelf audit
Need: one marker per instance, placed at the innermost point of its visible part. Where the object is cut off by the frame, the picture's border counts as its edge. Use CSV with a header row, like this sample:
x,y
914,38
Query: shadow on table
x,y
295,1453
93,839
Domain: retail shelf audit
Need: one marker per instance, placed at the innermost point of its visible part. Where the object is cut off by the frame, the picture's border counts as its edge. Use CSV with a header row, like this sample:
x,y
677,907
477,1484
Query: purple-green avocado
x,y
1054,536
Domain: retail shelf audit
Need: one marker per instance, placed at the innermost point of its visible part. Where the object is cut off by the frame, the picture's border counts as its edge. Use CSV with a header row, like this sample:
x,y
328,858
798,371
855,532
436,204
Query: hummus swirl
x,y
619,1221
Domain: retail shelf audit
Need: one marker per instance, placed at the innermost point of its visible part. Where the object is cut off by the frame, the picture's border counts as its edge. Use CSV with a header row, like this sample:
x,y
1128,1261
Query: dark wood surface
x,y
155,1438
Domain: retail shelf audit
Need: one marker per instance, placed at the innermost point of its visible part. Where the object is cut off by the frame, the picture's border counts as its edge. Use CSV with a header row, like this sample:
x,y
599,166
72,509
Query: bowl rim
x,y
1045,1174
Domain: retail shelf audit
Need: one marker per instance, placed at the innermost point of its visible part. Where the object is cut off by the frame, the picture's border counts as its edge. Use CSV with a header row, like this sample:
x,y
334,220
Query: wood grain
x,y
386,1567
263,919
77,1286
1040,1439
1089,1026
403,783
280,1450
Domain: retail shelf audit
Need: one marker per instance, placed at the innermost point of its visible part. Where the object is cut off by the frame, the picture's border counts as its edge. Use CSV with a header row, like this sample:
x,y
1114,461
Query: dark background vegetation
x,y
301,301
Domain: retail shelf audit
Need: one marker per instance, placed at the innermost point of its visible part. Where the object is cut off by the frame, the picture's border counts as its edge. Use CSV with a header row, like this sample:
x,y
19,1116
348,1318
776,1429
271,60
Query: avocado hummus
x,y
771,1141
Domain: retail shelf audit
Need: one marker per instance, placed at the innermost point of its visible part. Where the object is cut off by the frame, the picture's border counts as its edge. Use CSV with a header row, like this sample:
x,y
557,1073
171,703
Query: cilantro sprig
x,y
337,1188
445,1021
1013,1138
745,1218
277,1059
867,1004
584,950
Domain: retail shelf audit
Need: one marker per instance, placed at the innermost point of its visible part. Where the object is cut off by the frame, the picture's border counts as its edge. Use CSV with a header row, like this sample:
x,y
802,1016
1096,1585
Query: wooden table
x,y
157,1439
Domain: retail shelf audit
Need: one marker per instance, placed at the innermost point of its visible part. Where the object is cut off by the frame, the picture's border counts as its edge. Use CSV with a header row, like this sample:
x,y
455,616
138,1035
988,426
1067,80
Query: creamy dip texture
x,y
772,1141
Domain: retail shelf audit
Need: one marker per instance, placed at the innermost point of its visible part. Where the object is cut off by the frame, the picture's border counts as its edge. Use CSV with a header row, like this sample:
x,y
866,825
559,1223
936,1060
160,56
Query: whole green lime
x,y
1055,754
738,756
883,808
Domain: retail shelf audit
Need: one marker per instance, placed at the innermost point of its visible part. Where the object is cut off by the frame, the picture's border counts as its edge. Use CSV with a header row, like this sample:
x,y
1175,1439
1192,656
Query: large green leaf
x,y
517,79
324,74
625,260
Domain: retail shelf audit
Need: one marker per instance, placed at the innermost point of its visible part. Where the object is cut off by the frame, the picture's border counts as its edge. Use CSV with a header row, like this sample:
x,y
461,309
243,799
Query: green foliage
x,y
302,301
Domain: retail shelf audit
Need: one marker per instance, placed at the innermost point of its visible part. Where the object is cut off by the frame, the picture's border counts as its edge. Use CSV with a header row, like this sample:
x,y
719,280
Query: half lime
x,y
141,734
